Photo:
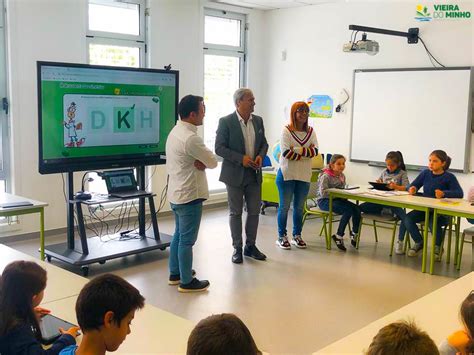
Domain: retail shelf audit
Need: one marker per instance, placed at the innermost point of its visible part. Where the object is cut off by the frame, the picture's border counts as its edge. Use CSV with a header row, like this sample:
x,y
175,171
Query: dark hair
x,y
188,104
402,338
441,155
20,282
221,334
397,158
103,294
467,315
335,158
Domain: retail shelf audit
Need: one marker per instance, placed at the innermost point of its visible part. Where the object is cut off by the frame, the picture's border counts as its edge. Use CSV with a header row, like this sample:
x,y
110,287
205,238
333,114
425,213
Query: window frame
x,y
226,51
114,35
121,43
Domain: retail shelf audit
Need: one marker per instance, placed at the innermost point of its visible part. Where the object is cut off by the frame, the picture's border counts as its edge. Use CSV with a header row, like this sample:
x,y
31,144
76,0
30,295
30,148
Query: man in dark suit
x,y
240,140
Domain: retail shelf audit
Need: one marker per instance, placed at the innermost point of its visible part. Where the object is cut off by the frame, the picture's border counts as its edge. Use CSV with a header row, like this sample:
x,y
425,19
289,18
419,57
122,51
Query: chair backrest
x,y
266,161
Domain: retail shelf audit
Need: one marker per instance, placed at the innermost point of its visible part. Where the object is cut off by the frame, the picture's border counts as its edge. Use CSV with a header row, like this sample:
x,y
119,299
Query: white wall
x,y
55,30
313,36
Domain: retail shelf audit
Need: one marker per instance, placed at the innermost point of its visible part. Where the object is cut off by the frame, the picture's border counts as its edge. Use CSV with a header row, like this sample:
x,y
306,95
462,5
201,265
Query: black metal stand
x,y
93,250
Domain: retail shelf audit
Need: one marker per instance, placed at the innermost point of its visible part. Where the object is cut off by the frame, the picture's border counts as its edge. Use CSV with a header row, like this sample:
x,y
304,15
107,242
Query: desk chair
x,y
466,232
311,210
270,197
385,221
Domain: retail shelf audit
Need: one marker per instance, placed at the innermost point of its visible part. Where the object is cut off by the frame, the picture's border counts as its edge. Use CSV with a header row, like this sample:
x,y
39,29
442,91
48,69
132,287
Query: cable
x,y
429,53
355,37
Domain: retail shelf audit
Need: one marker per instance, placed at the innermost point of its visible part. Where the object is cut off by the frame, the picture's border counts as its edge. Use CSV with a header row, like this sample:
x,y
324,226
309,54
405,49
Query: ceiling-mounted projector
x,y
363,46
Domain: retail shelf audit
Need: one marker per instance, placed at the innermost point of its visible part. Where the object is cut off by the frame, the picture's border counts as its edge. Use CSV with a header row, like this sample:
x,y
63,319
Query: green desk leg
x,y
328,237
42,233
433,242
425,240
456,232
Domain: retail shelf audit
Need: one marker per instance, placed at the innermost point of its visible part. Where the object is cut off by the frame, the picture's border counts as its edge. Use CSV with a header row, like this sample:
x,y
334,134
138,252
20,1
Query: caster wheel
x,y
162,248
102,262
48,258
85,271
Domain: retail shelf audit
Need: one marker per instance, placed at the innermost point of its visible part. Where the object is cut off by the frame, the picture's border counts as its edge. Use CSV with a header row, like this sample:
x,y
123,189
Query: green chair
x,y
466,232
381,221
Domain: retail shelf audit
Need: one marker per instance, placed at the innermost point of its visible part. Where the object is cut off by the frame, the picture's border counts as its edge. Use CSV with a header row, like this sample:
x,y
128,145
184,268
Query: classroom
x,y
359,78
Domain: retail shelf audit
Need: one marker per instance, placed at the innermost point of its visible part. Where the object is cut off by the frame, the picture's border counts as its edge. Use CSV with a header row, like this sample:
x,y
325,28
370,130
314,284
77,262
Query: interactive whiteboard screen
x,y
414,111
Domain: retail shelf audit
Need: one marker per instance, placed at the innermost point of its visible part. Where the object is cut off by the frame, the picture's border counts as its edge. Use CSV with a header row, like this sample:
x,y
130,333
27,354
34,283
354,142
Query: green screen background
x,y
53,118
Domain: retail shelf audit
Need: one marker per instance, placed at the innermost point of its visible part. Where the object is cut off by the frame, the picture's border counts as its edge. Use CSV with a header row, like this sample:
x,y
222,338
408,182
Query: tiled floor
x,y
297,301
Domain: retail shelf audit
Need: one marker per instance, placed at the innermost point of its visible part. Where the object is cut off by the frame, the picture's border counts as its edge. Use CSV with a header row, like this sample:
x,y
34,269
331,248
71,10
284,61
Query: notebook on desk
x,y
122,184
15,204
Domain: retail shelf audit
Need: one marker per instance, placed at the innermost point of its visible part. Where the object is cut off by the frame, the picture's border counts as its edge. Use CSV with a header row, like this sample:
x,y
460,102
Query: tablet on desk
x,y
15,204
383,186
49,326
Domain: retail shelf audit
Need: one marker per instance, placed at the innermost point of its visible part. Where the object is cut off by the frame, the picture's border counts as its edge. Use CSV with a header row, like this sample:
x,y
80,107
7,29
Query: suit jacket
x,y
230,145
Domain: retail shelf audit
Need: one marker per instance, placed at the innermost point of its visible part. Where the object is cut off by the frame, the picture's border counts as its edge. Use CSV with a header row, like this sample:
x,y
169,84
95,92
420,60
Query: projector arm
x,y
411,35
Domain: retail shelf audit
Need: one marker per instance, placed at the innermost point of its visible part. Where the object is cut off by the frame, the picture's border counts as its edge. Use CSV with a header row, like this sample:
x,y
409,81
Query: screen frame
x,y
67,165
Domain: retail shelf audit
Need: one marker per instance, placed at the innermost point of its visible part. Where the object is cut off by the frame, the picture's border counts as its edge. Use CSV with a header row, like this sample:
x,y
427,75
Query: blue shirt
x,y
445,182
70,350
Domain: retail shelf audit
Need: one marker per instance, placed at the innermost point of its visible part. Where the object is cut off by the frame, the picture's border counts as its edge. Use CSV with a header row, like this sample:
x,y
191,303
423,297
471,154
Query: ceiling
x,y
274,4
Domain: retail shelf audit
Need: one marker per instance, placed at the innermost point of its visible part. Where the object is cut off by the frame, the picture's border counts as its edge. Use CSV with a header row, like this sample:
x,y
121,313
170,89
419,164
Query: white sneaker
x,y
298,242
414,250
399,250
283,243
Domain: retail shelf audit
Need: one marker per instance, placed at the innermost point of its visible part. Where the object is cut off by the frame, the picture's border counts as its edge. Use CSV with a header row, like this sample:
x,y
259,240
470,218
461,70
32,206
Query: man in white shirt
x,y
240,140
186,160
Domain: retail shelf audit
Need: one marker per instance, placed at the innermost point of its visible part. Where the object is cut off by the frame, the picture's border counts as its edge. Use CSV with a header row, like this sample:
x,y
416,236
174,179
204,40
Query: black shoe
x,y
194,286
237,256
253,252
353,239
339,243
176,279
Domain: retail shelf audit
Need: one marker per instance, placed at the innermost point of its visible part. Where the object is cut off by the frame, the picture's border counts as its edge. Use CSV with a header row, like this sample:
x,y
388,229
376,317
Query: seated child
x,y
22,288
402,338
461,342
333,177
396,176
221,334
105,309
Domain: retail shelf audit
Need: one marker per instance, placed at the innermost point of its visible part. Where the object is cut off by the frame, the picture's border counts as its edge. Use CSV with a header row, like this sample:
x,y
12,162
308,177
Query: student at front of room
x,y
402,338
105,309
298,145
221,334
333,177
461,342
22,288
397,178
437,182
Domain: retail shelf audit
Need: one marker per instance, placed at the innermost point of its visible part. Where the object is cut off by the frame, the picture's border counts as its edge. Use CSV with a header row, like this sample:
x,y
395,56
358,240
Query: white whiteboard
x,y
414,111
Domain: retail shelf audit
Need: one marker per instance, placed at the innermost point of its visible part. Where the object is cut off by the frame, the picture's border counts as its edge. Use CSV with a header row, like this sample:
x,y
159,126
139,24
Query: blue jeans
x,y
346,209
417,216
288,190
188,219
374,208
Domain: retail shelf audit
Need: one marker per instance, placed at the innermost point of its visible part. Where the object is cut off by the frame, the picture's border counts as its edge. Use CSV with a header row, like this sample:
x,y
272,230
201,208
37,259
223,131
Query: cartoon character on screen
x,y
73,127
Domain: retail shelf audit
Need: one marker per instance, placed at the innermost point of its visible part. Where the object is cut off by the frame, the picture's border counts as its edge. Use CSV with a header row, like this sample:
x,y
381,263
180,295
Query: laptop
x,y
122,184
380,186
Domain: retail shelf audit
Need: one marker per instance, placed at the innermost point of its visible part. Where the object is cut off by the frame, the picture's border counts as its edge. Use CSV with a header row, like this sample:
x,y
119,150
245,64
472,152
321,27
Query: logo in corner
x,y
422,13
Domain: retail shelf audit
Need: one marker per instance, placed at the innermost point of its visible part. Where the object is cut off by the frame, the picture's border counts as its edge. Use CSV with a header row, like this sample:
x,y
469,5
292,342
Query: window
x,y
224,64
4,133
116,32
116,37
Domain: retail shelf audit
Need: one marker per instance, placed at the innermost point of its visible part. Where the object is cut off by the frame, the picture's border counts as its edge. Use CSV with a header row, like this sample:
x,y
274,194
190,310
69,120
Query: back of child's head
x,y
334,159
397,158
221,334
467,316
106,293
443,156
20,282
402,338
